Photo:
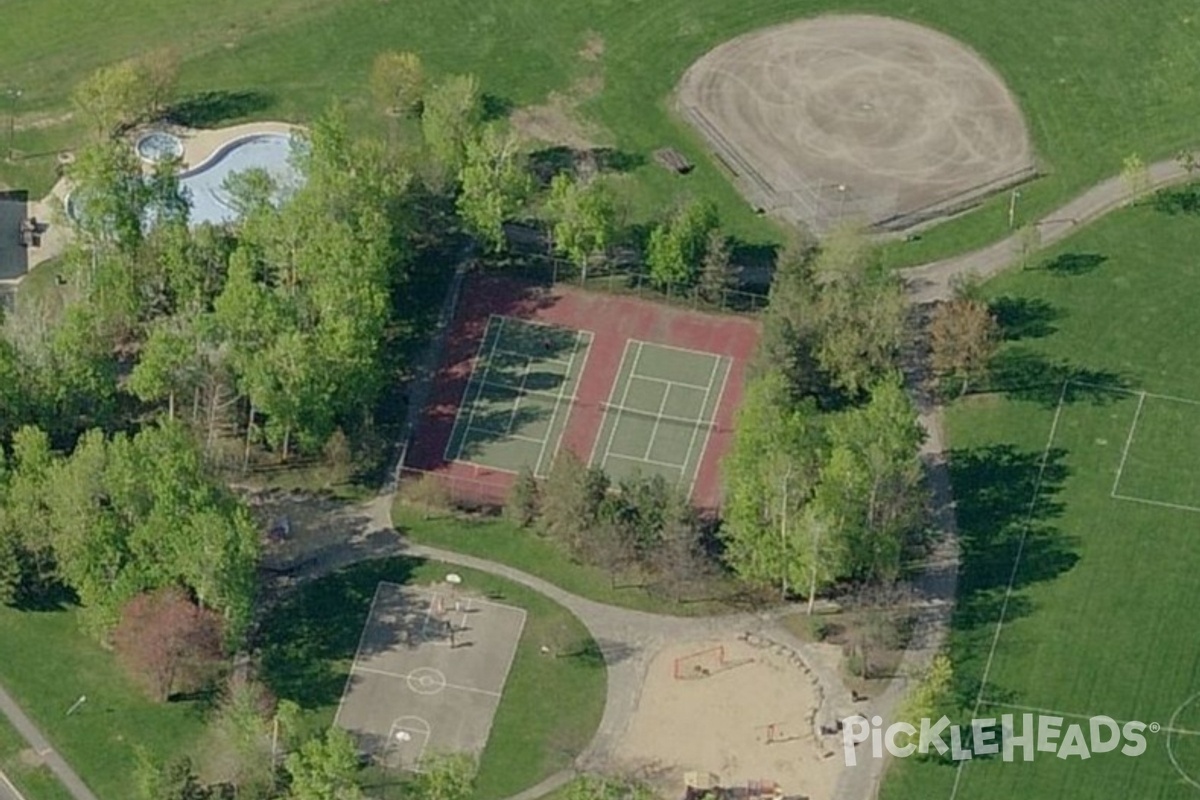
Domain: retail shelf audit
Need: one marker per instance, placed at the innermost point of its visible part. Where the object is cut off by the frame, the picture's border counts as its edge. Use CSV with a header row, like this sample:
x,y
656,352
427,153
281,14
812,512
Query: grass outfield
x,y
551,706
1096,82
1100,619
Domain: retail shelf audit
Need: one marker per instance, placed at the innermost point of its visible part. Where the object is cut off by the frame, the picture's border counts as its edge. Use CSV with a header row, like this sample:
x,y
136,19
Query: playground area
x,y
630,386
428,674
739,712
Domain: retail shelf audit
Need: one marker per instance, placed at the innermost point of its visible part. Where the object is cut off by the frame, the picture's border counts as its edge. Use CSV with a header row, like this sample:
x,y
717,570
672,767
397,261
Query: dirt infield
x,y
747,721
857,117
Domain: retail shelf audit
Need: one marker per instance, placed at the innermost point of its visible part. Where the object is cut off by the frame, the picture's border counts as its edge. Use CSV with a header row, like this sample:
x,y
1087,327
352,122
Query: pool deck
x,y
198,146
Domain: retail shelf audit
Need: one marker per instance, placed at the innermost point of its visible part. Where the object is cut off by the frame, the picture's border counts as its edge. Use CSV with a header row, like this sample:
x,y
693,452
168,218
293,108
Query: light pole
x,y
13,96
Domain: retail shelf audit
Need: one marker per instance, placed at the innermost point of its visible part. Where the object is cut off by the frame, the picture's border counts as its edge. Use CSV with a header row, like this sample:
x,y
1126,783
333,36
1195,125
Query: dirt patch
x,y
40,121
859,118
30,758
558,120
745,715
593,47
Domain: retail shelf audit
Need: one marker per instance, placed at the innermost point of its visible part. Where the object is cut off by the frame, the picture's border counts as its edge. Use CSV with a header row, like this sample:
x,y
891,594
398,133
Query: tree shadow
x,y
1024,374
305,638
1067,264
495,107
1024,317
48,597
210,109
548,162
1185,200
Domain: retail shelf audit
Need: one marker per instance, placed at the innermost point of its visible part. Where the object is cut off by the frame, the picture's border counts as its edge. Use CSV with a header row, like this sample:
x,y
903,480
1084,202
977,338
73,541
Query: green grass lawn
x,y
1096,82
551,705
1100,618
34,781
501,541
46,663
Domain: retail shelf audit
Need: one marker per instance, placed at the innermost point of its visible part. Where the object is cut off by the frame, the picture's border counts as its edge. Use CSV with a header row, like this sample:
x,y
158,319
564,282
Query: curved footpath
x,y
630,639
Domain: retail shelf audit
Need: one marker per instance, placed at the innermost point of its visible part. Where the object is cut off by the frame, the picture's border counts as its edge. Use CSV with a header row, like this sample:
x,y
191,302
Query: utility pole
x,y
13,96
1012,208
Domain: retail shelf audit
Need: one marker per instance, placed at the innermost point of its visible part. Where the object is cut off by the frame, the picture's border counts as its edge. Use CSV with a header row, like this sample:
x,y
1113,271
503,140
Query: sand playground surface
x,y
750,719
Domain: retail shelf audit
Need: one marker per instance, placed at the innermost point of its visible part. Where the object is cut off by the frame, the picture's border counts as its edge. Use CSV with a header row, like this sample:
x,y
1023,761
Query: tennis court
x,y
516,403
660,414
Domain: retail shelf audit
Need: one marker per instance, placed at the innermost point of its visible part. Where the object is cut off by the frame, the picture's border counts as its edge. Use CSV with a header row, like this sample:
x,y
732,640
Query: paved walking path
x,y
37,741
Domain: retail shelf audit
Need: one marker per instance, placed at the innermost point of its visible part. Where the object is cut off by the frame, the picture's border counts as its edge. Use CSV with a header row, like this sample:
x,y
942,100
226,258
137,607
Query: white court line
x,y
712,378
712,423
1160,503
673,382
362,636
392,585
405,676
658,417
638,460
704,353
612,432
11,788
1012,578
612,390
587,353
1050,712
479,391
512,415
1128,441
537,468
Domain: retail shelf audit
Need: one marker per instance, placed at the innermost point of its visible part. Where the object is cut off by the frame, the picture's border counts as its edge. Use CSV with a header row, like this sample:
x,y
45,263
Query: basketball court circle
x,y
429,673
857,117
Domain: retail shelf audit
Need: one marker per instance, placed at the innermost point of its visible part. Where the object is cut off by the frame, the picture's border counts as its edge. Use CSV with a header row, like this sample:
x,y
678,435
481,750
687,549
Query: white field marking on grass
x,y
658,417
512,415
537,468
712,424
362,636
479,390
404,676
1012,578
712,378
1128,441
1051,712
612,432
1159,503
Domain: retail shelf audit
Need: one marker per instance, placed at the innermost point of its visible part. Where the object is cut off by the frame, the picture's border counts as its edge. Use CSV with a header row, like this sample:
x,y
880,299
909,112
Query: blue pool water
x,y
204,185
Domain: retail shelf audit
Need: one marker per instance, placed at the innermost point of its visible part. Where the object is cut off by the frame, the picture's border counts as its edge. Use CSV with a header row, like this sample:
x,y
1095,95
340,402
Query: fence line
x,y
450,488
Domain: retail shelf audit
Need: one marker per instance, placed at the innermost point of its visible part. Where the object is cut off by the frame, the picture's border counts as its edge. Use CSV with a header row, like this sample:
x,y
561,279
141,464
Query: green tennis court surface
x,y
519,395
660,414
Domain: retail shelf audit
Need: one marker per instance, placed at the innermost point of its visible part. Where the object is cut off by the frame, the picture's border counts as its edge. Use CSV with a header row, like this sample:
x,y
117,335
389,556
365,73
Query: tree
x,y
583,218
1136,176
397,82
859,327
716,270
114,97
176,780
571,498
871,487
160,71
963,336
676,247
446,777
928,691
168,642
325,768
522,504
451,116
770,475
243,733
494,184
110,194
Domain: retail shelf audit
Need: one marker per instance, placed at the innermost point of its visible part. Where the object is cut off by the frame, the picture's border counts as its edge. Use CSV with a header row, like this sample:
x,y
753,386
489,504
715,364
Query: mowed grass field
x,y
1100,619
1097,83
